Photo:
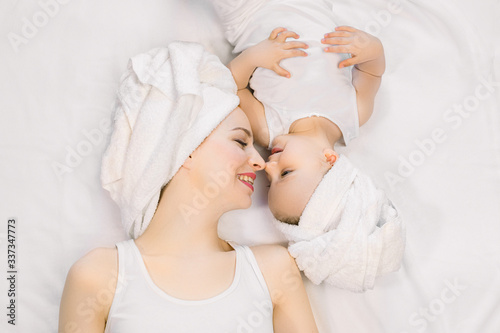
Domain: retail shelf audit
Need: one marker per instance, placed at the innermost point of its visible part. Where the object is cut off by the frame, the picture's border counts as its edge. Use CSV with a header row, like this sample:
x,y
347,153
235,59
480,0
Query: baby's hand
x,y
269,53
362,46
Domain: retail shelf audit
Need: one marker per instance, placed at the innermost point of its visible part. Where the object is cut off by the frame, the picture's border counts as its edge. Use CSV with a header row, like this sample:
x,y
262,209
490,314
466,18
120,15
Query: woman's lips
x,y
248,174
247,179
247,184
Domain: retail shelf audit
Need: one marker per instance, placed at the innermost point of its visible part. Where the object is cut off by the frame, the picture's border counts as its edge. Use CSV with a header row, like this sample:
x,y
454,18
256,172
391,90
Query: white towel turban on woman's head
x,y
349,232
169,100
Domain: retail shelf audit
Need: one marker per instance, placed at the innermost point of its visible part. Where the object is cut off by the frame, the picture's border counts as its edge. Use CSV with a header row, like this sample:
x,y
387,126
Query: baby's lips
x,y
276,150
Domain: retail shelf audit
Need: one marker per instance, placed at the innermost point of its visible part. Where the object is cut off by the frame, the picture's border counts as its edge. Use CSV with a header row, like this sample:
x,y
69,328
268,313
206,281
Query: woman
x,y
178,275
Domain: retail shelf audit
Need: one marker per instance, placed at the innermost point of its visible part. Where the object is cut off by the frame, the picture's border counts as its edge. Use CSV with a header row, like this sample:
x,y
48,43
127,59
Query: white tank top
x,y
139,305
317,86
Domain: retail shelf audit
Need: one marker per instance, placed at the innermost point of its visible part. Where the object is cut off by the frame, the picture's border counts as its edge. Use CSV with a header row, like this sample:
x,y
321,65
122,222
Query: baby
x,y
282,105
302,97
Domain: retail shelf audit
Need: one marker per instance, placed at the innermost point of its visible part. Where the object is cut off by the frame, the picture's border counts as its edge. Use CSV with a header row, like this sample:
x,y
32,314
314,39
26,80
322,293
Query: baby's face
x,y
295,167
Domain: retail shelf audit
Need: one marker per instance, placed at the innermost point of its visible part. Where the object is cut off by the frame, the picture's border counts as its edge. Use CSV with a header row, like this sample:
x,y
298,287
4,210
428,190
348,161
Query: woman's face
x,y
223,167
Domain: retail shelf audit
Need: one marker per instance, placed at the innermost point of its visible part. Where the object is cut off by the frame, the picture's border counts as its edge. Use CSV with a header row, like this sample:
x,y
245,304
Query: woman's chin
x,y
244,203
249,204
244,196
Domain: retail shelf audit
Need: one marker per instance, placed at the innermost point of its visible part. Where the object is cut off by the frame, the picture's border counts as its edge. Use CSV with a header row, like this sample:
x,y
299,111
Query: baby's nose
x,y
270,165
268,169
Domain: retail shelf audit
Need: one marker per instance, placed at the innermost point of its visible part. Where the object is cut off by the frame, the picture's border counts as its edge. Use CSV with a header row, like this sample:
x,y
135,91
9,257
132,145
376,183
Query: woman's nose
x,y
256,161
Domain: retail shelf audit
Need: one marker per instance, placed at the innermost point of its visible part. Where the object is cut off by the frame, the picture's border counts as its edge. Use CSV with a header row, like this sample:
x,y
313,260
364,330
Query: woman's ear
x,y
331,156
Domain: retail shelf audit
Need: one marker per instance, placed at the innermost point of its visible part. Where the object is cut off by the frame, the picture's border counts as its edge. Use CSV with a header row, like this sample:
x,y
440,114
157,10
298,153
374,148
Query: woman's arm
x,y
266,54
88,292
367,56
291,308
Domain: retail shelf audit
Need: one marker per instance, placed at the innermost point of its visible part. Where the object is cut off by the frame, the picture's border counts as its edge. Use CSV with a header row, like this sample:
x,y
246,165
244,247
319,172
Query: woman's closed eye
x,y
241,142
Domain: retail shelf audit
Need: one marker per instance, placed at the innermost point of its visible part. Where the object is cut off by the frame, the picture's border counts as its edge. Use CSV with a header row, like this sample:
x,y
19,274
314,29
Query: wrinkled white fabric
x,y
170,99
349,233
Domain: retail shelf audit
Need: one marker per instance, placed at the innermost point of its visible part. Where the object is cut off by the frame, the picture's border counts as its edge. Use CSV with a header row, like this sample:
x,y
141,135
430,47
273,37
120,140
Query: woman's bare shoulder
x,y
291,307
89,291
277,266
271,253
94,272
96,264
274,257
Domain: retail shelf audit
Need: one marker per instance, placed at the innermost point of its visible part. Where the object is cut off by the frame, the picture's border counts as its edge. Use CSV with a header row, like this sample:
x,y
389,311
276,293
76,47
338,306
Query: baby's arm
x,y
367,56
266,54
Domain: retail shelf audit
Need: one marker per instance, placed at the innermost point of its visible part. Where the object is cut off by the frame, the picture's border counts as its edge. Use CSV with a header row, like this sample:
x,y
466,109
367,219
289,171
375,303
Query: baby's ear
x,y
330,155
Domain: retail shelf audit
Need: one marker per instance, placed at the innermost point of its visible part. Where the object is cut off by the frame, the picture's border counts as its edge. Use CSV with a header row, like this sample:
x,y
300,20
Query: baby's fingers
x,y
338,49
286,34
281,71
348,62
338,34
276,32
345,28
336,41
295,45
294,53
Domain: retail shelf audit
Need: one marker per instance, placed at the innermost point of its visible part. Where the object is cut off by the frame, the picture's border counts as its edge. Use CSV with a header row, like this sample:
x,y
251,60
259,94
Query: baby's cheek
x,y
272,197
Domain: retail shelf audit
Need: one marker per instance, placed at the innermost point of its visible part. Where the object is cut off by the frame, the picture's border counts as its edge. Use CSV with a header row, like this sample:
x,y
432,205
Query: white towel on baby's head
x,y
349,232
169,100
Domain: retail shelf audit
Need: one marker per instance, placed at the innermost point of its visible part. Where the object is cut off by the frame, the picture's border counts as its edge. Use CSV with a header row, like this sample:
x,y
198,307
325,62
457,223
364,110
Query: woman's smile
x,y
247,179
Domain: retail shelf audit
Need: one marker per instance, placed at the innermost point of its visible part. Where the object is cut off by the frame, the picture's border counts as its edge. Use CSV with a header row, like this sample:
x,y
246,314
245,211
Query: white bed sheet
x,y
57,85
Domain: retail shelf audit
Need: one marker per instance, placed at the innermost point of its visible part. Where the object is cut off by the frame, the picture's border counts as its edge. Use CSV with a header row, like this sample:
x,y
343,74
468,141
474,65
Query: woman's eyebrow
x,y
247,132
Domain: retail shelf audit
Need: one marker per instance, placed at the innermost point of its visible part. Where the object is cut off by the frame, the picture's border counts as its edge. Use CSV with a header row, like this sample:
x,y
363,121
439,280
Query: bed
x,y
433,144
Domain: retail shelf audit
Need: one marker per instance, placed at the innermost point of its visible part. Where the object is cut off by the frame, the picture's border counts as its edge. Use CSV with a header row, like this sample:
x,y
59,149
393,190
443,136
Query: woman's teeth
x,y
246,179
